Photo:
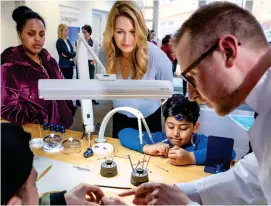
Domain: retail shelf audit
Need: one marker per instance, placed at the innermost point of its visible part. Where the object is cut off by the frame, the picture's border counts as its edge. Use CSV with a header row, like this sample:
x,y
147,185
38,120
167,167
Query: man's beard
x,y
227,104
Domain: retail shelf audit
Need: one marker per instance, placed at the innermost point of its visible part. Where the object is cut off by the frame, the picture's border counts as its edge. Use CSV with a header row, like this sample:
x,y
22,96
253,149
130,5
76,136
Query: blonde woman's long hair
x,y
61,28
140,52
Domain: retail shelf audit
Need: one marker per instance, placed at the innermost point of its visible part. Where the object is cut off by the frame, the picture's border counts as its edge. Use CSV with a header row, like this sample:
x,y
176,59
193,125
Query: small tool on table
x,y
44,172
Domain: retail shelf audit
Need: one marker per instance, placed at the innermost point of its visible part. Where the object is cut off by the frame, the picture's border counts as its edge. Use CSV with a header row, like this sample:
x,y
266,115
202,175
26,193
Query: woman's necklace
x,y
125,62
125,67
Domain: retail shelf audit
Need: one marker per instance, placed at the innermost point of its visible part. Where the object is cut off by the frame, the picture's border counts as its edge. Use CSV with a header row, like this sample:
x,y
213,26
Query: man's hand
x,y
112,201
179,156
77,196
157,194
159,149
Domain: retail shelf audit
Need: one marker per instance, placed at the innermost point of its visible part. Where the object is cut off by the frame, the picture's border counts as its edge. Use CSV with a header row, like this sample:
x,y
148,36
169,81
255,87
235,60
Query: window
x,y
249,5
163,24
202,3
174,12
148,3
149,25
148,13
164,1
170,23
169,1
147,10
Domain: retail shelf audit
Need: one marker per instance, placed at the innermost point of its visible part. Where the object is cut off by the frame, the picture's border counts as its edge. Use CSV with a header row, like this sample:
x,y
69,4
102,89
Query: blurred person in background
x,y
65,52
87,31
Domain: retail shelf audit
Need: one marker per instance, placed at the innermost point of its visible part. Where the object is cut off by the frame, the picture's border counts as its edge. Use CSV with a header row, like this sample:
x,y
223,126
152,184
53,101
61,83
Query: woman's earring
x,y
21,38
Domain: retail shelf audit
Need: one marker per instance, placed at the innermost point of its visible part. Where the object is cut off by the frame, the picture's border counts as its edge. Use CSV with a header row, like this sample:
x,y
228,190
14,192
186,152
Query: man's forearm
x,y
190,189
238,185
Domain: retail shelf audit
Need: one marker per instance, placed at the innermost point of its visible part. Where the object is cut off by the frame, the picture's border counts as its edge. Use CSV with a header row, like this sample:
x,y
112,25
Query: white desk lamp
x,y
135,112
83,73
82,53
106,87
69,89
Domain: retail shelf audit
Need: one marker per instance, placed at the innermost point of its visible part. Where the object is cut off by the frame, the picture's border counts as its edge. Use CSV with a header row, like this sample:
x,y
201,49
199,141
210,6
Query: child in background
x,y
180,143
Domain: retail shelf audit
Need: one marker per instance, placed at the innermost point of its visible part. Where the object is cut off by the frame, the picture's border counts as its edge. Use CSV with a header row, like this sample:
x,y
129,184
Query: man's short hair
x,y
88,29
212,21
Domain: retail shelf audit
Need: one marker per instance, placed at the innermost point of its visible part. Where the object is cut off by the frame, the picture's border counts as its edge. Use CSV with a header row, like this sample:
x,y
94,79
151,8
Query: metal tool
x,y
114,187
44,173
162,168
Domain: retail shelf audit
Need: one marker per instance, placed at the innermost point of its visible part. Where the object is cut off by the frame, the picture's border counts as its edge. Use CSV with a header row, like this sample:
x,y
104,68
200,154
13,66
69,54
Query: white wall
x,y
8,26
104,5
98,25
50,11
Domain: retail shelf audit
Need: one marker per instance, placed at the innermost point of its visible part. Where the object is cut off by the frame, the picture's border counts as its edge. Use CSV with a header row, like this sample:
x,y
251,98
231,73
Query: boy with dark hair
x,y
180,141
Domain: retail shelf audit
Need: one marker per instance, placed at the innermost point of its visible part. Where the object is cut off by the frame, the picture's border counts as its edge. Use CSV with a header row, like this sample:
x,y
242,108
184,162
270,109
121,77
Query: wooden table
x,y
175,174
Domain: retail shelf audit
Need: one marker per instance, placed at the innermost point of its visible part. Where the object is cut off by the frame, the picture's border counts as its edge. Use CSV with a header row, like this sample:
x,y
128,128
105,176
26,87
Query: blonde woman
x,y
65,52
127,54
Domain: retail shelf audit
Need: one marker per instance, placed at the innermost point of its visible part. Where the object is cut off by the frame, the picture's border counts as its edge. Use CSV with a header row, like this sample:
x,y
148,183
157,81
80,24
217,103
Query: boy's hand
x,y
159,149
179,156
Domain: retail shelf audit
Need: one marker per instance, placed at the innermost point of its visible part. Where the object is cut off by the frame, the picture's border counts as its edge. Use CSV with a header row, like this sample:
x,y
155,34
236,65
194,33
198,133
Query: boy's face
x,y
179,133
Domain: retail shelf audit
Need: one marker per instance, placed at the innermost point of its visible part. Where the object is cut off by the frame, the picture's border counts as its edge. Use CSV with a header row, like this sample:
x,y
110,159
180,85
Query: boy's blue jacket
x,y
130,138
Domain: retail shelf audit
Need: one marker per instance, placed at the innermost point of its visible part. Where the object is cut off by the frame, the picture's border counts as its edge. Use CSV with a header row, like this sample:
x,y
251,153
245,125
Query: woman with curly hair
x,y
127,54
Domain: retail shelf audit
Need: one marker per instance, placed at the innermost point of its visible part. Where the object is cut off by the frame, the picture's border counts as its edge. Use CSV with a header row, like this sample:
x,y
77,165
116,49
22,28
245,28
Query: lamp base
x,y
103,150
109,168
139,176
100,141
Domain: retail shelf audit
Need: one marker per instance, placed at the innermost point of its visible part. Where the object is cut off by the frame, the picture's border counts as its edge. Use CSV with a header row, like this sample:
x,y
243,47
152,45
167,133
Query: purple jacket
x,y
20,101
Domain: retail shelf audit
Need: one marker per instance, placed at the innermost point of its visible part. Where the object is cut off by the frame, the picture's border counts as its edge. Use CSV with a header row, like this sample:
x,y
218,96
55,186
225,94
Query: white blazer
x,y
95,48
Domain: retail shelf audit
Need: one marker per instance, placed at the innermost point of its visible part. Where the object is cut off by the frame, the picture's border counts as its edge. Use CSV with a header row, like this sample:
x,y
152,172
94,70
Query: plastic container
x,y
71,146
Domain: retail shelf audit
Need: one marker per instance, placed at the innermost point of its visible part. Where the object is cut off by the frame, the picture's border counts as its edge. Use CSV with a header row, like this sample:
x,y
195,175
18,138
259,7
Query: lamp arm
x,y
135,112
147,129
81,38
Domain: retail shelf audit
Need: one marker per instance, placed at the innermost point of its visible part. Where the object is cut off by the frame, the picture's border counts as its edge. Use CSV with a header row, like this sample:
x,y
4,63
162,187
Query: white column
x,y
156,15
244,4
19,3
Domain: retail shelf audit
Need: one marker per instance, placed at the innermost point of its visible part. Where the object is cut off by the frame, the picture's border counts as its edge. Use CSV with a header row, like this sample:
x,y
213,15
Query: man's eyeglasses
x,y
191,80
